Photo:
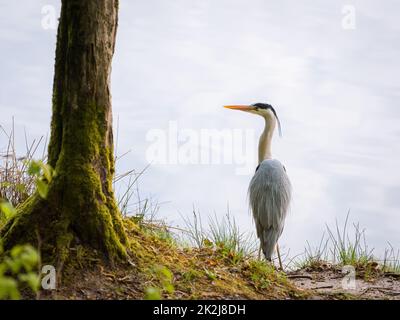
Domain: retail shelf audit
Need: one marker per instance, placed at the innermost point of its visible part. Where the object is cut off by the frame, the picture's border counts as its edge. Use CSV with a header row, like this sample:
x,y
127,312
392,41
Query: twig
x,y
323,287
392,274
299,276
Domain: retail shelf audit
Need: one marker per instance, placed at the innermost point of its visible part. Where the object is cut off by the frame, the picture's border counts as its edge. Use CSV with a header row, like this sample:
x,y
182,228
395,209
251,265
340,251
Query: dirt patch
x,y
334,284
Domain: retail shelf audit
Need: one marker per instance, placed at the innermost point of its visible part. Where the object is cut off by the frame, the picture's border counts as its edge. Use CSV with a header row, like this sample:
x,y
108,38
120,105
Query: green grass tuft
x,y
222,234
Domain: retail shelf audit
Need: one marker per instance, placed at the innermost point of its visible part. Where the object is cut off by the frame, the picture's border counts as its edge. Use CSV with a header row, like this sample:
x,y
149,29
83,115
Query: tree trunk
x,y
80,206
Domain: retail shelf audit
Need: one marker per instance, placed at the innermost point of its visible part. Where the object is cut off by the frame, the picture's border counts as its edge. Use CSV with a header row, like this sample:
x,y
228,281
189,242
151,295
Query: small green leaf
x,y
16,251
14,265
34,168
47,171
9,289
167,274
32,279
8,209
42,188
29,258
152,293
169,288
23,256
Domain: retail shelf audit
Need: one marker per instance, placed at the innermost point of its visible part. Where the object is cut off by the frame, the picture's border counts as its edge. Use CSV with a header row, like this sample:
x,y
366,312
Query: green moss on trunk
x,y
80,206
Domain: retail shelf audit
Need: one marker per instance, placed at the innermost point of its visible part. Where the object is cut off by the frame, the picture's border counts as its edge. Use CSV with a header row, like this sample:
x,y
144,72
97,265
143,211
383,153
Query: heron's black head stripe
x,y
266,106
262,105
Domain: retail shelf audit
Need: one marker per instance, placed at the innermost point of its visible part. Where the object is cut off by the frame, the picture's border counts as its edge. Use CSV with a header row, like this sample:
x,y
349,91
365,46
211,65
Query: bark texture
x,y
80,206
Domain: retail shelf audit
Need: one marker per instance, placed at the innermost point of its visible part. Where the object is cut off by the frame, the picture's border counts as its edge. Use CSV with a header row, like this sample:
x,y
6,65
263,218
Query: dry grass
x,y
16,184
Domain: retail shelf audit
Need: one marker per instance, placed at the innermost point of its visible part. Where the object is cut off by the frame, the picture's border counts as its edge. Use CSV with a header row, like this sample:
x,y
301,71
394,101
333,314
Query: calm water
x,y
334,83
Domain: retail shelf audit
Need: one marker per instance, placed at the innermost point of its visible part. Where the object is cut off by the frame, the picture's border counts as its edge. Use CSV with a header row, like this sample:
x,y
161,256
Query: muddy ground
x,y
334,284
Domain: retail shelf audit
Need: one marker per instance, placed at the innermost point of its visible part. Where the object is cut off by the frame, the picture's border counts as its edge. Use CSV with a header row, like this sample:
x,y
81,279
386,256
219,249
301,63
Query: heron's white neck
x,y
264,145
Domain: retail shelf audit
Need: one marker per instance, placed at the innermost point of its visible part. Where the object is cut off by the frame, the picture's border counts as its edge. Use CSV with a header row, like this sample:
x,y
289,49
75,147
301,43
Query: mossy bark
x,y
80,206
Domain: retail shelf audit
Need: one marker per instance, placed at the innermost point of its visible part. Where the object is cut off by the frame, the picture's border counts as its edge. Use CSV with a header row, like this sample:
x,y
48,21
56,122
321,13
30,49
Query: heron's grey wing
x,y
269,193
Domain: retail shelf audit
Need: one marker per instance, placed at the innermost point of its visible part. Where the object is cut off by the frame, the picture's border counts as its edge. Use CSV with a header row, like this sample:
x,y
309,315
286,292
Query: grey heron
x,y
270,188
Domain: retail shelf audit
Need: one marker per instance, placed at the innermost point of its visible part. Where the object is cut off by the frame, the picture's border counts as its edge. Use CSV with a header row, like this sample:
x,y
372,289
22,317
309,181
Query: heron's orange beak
x,y
241,107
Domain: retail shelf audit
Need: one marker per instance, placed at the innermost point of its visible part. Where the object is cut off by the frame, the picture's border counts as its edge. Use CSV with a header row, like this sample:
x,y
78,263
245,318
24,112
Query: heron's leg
x,y
279,257
259,252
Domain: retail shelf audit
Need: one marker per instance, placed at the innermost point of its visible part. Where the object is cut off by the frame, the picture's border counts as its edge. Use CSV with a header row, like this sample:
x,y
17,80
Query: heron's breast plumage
x,y
269,194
